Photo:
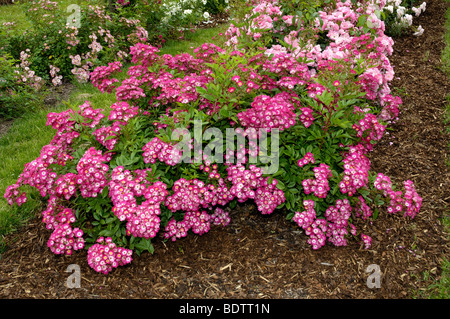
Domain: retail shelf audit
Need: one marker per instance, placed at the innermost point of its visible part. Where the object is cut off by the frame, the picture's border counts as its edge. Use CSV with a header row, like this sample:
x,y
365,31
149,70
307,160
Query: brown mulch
x,y
268,257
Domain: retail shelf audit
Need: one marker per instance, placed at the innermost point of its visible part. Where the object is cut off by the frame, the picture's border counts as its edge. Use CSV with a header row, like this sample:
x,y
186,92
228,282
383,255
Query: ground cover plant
x,y
314,91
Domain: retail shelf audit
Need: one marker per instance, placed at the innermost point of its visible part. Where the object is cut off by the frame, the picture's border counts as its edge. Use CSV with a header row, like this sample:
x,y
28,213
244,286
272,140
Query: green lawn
x,y
15,13
20,145
193,40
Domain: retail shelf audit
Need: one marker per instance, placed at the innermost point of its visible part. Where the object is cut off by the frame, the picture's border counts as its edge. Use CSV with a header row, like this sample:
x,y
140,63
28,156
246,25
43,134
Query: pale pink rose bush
x,y
116,179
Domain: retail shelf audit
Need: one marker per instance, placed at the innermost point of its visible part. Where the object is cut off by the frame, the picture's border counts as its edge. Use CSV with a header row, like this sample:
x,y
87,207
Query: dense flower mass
x,y
122,112
411,201
107,135
308,158
367,240
319,186
306,218
269,113
64,240
220,217
307,96
356,170
164,152
100,76
338,217
92,171
125,188
104,256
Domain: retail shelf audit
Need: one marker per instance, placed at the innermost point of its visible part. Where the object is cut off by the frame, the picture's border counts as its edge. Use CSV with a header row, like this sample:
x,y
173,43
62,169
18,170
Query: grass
x,y
15,13
87,92
440,289
20,145
193,40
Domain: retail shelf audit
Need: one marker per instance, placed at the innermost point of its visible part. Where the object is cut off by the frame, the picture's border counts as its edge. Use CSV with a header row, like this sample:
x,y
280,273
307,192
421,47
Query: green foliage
x,y
215,6
16,96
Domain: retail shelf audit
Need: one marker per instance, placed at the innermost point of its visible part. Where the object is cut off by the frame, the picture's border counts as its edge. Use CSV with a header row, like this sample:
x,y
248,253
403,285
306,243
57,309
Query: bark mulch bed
x,y
268,257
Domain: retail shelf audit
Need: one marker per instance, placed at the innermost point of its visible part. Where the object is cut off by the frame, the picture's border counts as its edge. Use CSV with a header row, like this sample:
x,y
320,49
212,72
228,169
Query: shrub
x,y
216,6
60,49
399,16
20,88
171,19
299,121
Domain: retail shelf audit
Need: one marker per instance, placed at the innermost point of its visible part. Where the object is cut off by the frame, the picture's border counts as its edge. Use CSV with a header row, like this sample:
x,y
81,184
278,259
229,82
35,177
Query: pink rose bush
x,y
311,103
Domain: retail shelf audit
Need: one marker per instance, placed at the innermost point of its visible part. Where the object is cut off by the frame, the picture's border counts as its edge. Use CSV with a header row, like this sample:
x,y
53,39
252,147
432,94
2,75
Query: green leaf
x,y
105,233
326,97
280,185
145,245
110,220
290,216
375,214
362,21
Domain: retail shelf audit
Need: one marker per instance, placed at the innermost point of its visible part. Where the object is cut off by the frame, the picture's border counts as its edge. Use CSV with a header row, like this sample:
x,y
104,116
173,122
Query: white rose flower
x,y
416,11
423,6
408,19
400,11
419,31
